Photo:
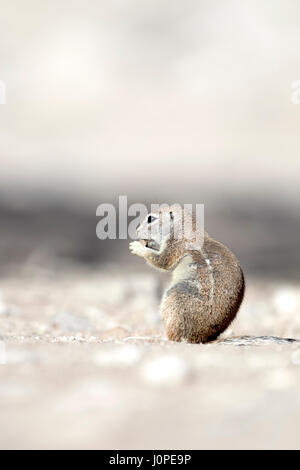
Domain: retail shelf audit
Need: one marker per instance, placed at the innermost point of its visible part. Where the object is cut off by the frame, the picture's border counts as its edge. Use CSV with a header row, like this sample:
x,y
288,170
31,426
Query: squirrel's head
x,y
158,227
164,235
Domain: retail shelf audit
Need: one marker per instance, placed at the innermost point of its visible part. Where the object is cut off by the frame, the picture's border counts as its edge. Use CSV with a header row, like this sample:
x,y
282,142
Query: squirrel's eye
x,y
151,219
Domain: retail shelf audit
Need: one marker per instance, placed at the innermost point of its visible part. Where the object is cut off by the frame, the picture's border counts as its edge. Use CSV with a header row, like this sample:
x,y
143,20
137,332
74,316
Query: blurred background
x,y
163,101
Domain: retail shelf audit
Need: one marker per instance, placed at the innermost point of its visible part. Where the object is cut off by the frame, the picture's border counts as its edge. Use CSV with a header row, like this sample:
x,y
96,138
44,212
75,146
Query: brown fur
x,y
206,291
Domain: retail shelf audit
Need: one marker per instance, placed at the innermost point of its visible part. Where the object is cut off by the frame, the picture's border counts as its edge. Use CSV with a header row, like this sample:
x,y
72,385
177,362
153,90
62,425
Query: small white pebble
x,y
285,299
165,371
279,380
91,339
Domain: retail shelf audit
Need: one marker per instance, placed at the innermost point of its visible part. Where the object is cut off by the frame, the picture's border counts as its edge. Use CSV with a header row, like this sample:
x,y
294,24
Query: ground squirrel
x,y
207,284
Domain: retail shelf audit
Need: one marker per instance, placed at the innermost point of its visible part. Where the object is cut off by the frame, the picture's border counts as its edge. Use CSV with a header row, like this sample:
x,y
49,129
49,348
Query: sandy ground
x,y
86,365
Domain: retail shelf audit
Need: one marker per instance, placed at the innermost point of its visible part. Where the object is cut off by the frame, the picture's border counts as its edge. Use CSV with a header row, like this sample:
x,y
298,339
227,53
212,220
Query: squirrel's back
x,y
205,294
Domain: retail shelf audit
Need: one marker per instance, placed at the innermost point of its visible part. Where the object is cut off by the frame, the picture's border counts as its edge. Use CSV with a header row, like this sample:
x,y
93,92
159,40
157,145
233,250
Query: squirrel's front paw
x,y
137,248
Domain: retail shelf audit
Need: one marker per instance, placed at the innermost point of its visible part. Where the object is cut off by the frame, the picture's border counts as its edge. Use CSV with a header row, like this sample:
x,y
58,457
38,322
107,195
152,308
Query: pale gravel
x,y
88,366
